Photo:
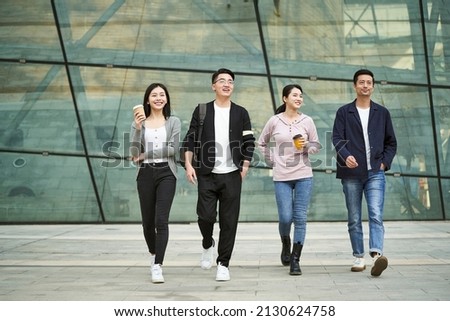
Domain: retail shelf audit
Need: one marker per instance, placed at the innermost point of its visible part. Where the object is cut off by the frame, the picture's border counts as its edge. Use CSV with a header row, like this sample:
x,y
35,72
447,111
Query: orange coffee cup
x,y
298,141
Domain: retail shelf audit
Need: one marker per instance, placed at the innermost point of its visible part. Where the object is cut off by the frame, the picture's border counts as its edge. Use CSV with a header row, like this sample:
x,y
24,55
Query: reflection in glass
x,y
37,109
441,98
333,39
446,194
39,188
162,34
437,27
28,31
410,112
115,181
412,198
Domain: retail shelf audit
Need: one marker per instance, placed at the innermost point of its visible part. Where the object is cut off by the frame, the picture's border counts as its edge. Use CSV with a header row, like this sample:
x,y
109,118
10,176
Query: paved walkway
x,y
109,263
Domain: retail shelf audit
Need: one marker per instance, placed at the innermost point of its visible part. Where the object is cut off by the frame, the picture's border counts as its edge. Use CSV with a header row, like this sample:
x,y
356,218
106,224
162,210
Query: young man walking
x,y
365,143
225,150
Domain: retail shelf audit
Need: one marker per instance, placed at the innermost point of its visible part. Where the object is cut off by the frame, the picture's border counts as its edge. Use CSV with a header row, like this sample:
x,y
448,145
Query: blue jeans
x,y
293,199
373,188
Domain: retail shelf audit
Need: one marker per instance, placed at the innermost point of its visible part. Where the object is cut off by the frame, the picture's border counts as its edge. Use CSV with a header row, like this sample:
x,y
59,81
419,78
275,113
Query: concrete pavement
x,y
110,263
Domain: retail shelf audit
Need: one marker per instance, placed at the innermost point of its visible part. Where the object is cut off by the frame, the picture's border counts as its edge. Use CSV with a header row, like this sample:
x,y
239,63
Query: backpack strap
x,y
202,114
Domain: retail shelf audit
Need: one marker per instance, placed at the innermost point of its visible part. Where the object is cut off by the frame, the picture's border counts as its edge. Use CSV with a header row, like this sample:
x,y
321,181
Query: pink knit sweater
x,y
276,145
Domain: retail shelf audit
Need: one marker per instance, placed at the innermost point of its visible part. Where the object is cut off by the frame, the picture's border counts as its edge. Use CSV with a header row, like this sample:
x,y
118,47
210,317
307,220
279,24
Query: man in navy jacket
x,y
226,149
365,143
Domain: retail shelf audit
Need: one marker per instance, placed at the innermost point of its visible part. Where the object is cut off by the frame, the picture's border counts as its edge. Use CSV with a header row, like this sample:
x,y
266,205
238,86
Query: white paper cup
x,y
138,110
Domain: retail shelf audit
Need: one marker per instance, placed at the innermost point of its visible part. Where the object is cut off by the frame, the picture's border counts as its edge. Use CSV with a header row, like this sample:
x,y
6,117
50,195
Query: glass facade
x,y
71,70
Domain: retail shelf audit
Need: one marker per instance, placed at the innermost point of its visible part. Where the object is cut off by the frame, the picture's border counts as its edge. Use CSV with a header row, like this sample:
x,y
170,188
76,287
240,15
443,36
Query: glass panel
x,y
258,197
412,198
446,194
99,93
116,183
438,40
27,31
334,38
37,109
327,203
411,116
441,101
162,34
37,188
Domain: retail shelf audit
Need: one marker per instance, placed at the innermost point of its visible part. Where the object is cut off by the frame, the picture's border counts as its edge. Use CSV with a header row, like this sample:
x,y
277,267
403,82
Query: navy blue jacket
x,y
242,140
348,139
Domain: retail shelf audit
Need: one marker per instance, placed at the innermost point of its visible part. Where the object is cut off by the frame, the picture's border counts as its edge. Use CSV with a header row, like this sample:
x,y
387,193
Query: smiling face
x,y
294,100
223,85
157,99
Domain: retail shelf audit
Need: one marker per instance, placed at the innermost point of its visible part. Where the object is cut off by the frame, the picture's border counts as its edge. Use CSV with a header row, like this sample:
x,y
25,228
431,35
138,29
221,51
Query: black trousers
x,y
156,188
224,191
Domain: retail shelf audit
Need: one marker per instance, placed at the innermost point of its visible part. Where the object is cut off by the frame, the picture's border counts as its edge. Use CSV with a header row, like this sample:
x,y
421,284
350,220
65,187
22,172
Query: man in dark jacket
x,y
226,148
365,143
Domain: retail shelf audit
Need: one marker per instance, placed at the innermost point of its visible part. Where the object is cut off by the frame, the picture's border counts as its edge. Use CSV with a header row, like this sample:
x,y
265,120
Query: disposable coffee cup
x,y
298,143
138,110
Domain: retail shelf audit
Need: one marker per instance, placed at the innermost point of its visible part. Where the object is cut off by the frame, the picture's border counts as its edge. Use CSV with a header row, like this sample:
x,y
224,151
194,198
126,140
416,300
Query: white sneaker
x,y
223,274
157,276
380,264
358,265
207,258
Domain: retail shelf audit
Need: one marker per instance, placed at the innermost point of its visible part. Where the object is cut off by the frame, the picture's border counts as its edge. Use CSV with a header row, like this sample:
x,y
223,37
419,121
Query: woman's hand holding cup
x,y
299,141
139,115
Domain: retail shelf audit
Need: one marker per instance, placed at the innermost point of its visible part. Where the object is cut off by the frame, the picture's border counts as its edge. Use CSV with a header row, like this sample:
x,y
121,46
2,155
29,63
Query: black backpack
x,y
202,113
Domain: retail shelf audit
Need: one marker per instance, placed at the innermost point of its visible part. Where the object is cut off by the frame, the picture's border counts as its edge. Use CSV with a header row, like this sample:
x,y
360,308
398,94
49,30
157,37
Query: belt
x,y
163,164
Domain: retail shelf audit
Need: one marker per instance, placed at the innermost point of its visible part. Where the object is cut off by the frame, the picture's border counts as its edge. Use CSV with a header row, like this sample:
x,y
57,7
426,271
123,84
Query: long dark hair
x,y
166,108
286,91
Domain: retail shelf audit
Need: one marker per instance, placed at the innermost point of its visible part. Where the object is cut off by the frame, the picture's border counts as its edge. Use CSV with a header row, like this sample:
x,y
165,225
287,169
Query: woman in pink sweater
x,y
292,172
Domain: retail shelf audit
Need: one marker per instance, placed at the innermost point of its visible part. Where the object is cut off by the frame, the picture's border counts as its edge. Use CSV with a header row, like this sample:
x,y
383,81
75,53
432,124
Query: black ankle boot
x,y
286,250
295,257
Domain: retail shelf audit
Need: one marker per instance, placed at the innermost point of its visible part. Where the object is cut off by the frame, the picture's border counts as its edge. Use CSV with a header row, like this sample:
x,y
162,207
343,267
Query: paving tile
x,y
110,263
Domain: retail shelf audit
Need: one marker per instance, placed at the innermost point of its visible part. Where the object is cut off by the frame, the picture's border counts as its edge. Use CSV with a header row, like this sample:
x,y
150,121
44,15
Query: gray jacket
x,y
170,150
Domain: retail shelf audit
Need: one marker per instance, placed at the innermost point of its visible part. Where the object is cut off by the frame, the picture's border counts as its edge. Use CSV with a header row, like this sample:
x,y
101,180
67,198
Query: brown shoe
x,y
380,264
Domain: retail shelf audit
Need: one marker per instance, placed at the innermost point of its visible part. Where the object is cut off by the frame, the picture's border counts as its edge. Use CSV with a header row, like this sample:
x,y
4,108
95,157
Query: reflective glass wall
x,y
71,70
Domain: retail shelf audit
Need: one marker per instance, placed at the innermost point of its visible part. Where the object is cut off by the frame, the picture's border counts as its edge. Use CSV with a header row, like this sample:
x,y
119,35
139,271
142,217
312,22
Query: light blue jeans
x,y
293,199
373,188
